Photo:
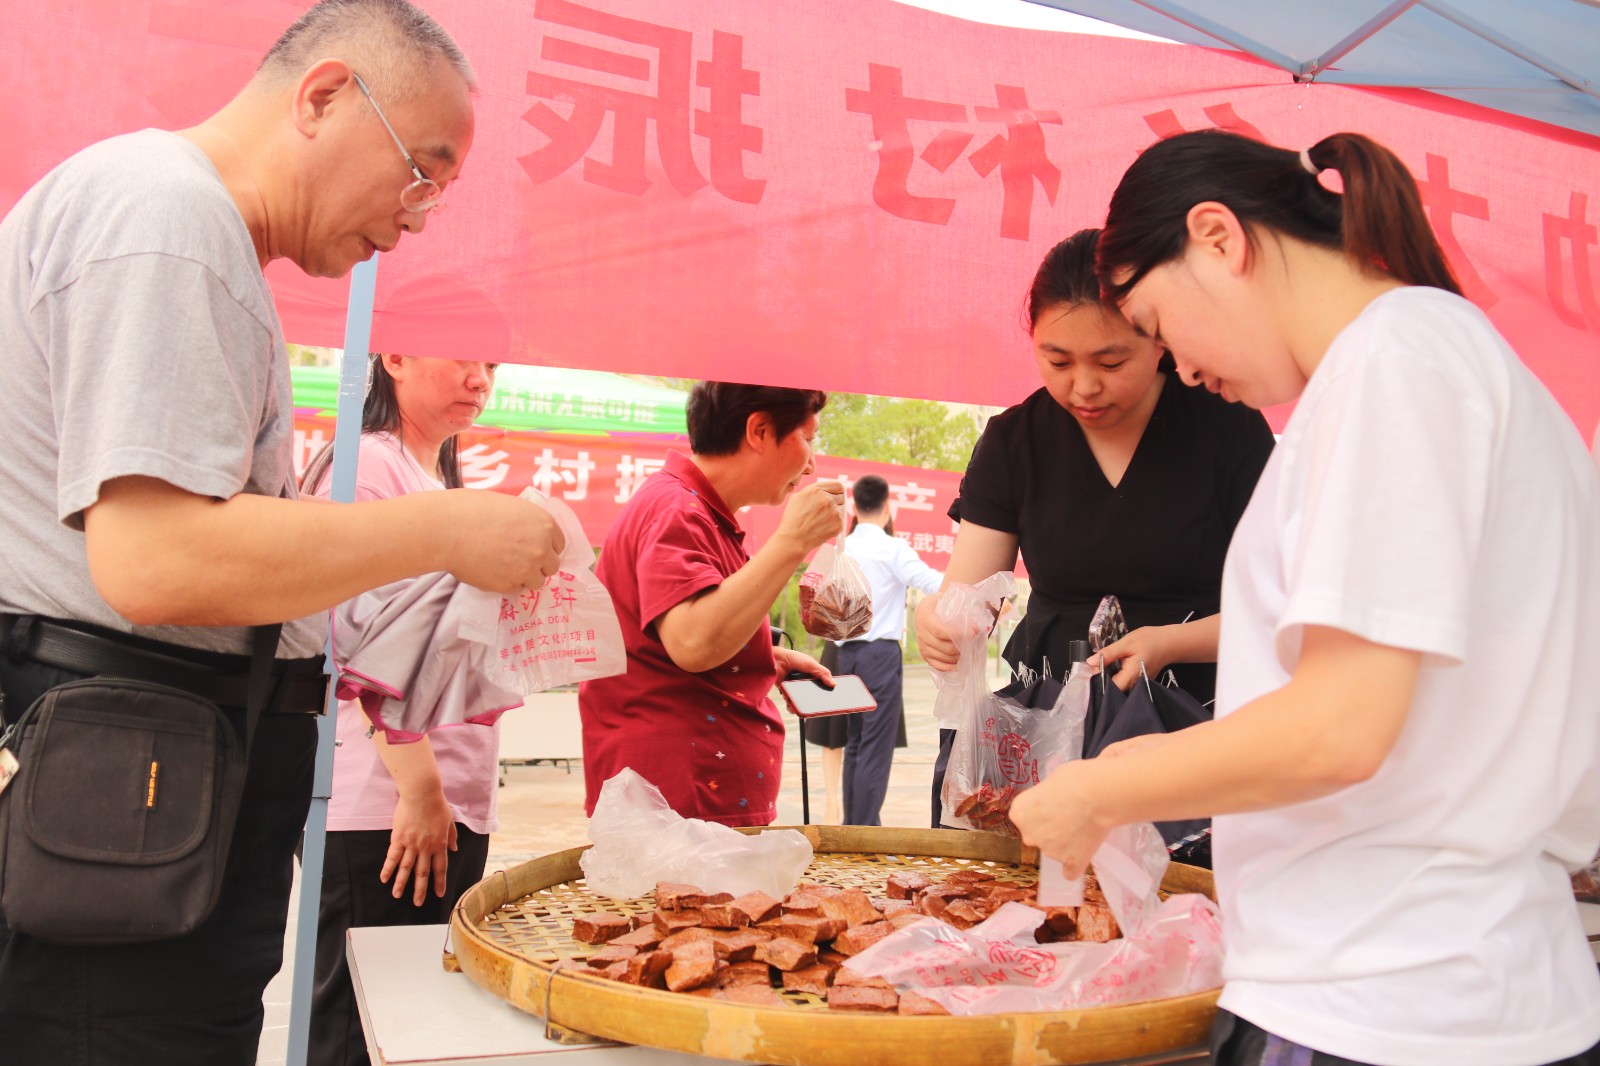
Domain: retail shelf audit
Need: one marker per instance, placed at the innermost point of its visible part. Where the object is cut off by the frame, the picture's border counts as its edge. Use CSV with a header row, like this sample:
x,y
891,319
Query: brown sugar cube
x,y
806,928
858,938
847,976
830,958
815,887
998,894
668,922
933,906
758,907
852,906
912,1003
856,997
787,954
802,902
693,965
900,921
1092,892
813,979
907,884
723,916
1096,924
744,973
616,971
648,969
599,928
968,876
963,914
751,995
609,954
687,936
671,896
644,937
888,907
738,945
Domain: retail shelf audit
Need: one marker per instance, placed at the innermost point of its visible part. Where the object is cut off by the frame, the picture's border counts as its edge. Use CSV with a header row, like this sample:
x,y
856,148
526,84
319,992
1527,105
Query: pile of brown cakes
x,y
746,949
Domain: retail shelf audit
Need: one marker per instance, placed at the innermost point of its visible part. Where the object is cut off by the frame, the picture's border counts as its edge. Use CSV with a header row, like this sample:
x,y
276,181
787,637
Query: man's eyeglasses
x,y
422,195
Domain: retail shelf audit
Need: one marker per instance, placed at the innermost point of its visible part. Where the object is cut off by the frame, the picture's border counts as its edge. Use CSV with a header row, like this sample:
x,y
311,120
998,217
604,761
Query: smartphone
x,y
809,698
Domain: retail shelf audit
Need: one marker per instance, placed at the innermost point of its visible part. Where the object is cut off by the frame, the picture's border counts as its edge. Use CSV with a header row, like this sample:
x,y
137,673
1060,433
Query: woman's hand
x,y
814,515
933,639
1059,817
1151,646
791,662
420,843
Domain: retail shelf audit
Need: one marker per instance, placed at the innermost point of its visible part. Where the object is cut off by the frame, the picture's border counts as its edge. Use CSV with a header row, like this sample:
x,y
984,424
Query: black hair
x,y
871,494
1378,221
719,411
1066,276
380,413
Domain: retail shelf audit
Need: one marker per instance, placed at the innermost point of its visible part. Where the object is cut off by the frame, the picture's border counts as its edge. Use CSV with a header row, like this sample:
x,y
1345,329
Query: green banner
x,y
541,399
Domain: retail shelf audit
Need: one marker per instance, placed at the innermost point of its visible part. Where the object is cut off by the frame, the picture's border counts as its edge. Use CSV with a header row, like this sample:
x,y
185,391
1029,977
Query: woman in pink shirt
x,y
398,811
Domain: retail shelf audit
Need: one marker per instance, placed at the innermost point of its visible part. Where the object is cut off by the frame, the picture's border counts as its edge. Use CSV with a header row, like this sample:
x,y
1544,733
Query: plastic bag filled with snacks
x,y
1007,742
835,598
639,840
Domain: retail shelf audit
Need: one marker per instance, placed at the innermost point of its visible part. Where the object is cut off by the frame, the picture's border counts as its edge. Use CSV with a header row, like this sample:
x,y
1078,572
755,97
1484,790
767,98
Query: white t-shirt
x,y
1428,494
891,566
137,337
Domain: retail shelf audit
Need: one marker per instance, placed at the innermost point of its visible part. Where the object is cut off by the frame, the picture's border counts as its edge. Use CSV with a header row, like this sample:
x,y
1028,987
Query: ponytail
x,y
1378,221
1383,225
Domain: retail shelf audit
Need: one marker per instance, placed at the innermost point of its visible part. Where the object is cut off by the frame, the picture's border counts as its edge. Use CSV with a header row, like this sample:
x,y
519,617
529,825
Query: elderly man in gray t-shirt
x,y
145,465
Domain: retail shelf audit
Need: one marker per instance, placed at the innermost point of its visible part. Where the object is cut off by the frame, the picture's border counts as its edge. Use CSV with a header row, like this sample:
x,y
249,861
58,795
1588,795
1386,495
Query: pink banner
x,y
597,475
846,194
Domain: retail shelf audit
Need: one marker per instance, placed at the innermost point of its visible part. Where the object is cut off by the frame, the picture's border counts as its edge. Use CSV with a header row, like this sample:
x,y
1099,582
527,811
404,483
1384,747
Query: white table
x,y
412,1011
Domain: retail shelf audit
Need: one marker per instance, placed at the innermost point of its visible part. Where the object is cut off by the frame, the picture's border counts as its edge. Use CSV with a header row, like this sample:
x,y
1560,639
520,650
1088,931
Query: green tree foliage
x,y
883,429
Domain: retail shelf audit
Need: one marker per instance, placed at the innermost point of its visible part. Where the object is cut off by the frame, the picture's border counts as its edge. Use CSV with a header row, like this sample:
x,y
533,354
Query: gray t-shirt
x,y
137,337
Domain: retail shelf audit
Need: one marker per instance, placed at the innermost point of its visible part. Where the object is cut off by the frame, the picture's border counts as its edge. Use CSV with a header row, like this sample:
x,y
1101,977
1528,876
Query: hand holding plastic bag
x,y
968,614
639,840
835,597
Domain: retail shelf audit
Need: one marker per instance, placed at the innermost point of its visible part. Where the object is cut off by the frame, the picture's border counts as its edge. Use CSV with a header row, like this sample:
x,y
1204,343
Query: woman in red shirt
x,y
693,714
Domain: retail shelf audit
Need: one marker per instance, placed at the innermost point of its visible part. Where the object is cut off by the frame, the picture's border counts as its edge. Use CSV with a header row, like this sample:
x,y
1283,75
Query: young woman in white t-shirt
x,y
1404,761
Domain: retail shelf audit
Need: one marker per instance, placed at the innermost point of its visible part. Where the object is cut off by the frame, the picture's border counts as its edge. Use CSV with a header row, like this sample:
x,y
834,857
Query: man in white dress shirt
x,y
891,567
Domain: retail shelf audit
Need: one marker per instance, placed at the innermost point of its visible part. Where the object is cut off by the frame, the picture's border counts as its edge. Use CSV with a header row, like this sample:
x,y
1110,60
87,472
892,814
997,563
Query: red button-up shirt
x,y
712,742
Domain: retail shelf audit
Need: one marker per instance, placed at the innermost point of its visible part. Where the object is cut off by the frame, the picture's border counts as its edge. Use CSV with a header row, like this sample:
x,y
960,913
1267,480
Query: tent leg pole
x,y
346,442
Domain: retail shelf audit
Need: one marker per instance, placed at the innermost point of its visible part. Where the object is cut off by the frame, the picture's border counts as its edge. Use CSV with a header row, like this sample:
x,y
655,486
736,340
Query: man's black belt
x,y
300,688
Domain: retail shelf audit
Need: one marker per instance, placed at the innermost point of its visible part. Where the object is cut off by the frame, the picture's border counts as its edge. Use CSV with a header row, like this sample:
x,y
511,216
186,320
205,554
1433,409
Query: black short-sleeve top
x,y
1156,541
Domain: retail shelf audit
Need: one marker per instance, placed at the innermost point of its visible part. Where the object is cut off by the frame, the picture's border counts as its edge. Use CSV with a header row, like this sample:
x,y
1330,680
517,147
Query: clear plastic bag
x,y
835,597
969,613
1172,947
639,840
1006,743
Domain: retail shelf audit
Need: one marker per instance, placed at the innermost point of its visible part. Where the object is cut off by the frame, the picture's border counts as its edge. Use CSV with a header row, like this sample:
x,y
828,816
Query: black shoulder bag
x,y
115,828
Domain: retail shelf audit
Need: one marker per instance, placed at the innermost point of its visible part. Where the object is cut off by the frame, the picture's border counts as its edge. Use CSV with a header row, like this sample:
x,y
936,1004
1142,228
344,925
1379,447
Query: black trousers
x,y
192,999
947,744
1236,1042
869,749
353,897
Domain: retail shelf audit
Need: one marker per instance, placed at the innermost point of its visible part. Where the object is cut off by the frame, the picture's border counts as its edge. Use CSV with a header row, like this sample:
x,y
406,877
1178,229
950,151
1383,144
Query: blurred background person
x,y
891,567
830,734
693,714
398,811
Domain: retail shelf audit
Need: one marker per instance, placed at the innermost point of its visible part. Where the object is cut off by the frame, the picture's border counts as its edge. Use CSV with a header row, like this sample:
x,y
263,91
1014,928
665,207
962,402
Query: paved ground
x,y
541,811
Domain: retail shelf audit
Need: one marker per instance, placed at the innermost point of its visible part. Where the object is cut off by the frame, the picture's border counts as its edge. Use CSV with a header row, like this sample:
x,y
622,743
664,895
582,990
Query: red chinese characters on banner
x,y
595,476
1019,153
1444,203
1573,235
668,104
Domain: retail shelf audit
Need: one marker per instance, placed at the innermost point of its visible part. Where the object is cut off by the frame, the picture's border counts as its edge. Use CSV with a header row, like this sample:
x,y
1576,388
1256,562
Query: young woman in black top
x,y
1113,479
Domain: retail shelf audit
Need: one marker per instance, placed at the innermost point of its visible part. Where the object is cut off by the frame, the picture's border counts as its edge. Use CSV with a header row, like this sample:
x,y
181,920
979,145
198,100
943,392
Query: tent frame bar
x,y
1312,67
1499,40
1221,33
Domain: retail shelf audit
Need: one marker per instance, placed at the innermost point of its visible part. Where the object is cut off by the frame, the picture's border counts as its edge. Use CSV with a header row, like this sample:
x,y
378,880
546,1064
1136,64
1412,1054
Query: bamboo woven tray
x,y
511,934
